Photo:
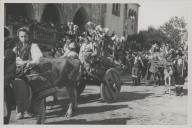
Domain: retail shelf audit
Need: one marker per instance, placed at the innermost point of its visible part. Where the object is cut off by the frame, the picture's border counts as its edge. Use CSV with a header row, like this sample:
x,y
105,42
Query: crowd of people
x,y
162,54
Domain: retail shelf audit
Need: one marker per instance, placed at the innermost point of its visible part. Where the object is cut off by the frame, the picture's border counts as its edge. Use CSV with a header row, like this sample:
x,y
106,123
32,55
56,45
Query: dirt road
x,y
137,105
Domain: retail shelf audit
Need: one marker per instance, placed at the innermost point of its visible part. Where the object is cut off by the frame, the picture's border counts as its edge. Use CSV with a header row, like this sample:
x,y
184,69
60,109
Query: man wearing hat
x,y
180,68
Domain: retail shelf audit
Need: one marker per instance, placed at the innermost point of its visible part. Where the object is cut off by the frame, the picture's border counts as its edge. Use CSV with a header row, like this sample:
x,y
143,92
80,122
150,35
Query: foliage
x,y
175,30
144,39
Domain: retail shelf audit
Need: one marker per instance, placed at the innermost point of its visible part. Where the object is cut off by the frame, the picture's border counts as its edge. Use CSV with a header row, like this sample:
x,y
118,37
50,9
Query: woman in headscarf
x,y
28,55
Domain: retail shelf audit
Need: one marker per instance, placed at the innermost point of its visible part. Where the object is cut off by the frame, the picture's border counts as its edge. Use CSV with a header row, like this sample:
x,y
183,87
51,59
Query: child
x,y
136,70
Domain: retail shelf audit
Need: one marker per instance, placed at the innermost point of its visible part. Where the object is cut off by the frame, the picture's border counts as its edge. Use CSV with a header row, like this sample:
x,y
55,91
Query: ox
x,y
47,78
62,72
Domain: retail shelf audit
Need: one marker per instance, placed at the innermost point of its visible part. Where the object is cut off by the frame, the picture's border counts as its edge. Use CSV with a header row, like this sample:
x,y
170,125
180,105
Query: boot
x,y
133,79
177,91
181,91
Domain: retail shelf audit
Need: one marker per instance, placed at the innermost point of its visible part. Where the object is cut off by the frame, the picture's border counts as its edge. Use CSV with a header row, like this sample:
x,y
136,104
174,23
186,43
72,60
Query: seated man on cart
x,y
28,55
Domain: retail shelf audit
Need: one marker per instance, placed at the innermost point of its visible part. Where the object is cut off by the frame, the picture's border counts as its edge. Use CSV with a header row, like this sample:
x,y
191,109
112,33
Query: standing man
x,y
136,70
9,75
180,67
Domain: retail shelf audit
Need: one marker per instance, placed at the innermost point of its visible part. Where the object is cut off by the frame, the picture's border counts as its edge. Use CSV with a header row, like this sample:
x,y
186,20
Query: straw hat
x,y
72,45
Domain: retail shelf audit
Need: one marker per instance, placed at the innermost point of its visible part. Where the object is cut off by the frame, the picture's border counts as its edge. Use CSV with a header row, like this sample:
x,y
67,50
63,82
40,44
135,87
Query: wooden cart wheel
x,y
111,85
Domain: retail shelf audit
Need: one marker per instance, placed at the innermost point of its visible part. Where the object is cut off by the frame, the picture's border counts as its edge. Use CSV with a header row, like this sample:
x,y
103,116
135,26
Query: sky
x,y
155,13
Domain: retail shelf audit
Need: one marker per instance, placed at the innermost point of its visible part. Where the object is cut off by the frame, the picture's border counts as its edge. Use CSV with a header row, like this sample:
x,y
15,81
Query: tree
x,y
152,36
135,42
175,30
144,39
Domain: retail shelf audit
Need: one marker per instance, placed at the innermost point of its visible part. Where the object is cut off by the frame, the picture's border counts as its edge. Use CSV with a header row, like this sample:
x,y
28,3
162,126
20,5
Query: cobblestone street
x,y
145,104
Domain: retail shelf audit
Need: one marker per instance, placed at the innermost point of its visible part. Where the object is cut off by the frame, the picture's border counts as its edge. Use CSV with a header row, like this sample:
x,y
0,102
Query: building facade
x,y
121,19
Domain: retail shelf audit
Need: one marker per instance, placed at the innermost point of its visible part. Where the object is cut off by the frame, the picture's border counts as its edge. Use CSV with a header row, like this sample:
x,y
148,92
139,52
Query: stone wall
x,y
113,22
97,13
131,25
68,11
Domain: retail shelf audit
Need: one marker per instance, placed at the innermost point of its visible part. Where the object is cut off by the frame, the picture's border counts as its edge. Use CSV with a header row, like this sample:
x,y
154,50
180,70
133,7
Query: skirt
x,y
22,95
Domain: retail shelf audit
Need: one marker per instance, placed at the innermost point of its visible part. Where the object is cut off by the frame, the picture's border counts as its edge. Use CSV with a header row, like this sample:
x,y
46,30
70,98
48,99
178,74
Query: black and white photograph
x,y
101,63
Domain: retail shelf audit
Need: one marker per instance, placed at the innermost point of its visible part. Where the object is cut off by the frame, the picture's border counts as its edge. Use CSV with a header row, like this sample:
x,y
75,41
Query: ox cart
x,y
106,74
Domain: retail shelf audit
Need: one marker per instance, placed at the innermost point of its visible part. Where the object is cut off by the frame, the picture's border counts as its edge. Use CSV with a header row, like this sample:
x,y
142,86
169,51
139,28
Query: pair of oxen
x,y
53,75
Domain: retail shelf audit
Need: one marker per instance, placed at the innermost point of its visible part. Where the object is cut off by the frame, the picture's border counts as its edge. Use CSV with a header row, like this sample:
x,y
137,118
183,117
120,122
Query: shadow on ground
x,y
185,91
131,96
114,121
60,102
81,100
89,98
86,110
123,97
142,84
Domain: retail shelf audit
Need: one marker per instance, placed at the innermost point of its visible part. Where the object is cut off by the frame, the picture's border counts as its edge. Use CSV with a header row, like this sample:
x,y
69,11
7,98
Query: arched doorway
x,y
51,14
80,18
18,10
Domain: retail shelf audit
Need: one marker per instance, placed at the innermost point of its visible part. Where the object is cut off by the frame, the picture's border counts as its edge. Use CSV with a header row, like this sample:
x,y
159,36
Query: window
x,y
124,33
116,9
132,15
125,12
135,15
113,8
126,7
132,27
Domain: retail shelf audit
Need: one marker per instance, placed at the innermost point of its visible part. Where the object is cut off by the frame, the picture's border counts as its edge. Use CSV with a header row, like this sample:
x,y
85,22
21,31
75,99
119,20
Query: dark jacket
x,y
9,66
9,76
